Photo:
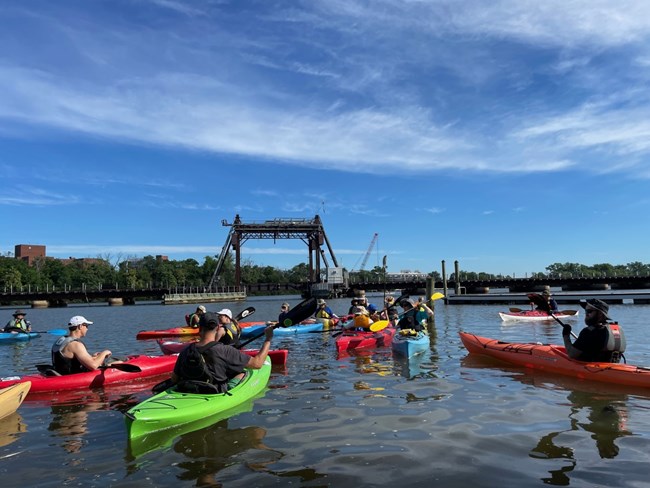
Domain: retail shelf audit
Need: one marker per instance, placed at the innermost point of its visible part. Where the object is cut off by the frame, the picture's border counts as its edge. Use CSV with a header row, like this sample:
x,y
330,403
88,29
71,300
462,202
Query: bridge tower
x,y
310,231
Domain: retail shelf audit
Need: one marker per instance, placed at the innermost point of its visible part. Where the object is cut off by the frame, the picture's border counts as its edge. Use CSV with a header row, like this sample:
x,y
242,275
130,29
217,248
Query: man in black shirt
x,y
591,344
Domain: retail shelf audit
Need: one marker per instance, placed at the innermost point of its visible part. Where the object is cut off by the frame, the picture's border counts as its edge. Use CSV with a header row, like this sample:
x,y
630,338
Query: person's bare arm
x,y
257,361
78,350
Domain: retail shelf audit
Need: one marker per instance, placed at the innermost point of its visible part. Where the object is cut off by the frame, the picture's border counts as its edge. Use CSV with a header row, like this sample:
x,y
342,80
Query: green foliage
x,y
149,272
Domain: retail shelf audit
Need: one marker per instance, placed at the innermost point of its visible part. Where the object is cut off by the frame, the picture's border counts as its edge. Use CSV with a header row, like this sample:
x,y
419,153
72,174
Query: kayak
x,y
554,359
171,408
11,398
20,336
184,331
360,339
536,315
110,375
278,356
409,343
298,329
252,331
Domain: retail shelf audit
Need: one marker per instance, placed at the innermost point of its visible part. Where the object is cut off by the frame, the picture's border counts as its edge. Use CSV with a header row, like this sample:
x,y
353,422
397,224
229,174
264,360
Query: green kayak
x,y
171,409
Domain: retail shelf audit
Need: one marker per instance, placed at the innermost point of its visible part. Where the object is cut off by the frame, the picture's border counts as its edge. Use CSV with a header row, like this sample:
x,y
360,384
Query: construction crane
x,y
365,258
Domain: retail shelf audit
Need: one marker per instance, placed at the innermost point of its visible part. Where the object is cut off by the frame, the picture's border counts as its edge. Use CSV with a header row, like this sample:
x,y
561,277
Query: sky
x,y
506,135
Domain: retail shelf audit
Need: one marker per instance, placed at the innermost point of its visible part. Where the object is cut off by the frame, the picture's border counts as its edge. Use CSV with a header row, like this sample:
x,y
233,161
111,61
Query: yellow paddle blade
x,y
379,325
437,296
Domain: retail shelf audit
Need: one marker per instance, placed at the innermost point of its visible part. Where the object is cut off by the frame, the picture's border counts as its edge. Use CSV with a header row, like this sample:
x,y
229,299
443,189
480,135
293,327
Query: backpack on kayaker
x,y
193,366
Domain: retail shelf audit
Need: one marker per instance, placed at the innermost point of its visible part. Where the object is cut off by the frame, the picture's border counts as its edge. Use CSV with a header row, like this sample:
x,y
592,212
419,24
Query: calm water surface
x,y
441,419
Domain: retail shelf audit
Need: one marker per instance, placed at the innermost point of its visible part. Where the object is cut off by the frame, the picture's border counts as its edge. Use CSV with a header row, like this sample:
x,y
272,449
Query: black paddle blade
x,y
126,367
300,312
244,313
540,302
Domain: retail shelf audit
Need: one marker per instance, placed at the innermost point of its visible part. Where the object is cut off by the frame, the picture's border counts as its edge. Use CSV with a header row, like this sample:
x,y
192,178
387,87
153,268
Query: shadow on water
x,y
601,410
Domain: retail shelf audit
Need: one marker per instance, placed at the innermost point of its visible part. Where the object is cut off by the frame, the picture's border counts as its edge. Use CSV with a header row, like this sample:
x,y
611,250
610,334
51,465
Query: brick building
x,y
29,252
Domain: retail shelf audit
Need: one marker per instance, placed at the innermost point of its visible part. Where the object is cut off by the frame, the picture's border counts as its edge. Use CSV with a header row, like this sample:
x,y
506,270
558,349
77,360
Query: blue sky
x,y
507,135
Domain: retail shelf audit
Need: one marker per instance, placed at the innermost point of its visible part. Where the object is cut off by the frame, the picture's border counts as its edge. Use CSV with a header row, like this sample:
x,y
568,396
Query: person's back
x,y
222,365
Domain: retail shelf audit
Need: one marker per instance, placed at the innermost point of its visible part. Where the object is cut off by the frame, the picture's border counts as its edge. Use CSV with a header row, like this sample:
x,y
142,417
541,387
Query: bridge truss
x,y
310,231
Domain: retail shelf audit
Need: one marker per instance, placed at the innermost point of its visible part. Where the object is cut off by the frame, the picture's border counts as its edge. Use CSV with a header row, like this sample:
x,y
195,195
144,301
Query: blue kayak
x,y
298,329
19,336
252,331
409,343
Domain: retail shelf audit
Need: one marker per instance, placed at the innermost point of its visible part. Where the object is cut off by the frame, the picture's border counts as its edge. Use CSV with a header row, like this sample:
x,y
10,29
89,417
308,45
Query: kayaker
x,y
410,317
390,310
323,311
283,312
601,340
224,364
194,319
424,312
232,329
69,354
18,323
552,304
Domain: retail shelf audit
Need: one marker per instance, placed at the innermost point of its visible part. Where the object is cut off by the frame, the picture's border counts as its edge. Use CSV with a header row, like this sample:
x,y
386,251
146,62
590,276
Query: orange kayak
x,y
554,359
181,331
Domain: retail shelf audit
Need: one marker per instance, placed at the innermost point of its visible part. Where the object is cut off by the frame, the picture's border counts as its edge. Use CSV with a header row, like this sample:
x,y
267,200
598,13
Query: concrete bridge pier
x,y
115,301
40,304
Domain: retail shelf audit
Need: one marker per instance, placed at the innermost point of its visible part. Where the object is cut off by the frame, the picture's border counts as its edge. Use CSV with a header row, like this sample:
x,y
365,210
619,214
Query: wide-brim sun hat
x,y
597,304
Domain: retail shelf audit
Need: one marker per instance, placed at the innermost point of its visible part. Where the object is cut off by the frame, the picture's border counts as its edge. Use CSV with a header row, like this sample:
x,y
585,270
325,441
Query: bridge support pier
x,y
40,304
115,301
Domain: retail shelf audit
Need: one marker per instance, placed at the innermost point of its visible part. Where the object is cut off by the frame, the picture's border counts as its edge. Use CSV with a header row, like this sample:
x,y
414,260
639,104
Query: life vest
x,y
362,320
189,318
615,338
233,332
16,325
322,314
62,364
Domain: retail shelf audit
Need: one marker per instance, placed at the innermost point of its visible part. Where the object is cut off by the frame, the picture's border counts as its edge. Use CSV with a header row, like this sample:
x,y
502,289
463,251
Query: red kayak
x,y
554,359
149,366
181,331
357,339
278,356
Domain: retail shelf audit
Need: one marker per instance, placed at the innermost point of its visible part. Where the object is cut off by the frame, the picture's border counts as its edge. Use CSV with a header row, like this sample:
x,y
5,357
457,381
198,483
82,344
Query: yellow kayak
x,y
11,398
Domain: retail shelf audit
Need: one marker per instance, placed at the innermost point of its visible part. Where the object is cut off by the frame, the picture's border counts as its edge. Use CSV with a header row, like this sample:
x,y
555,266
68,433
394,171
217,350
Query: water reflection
x,y
10,427
603,415
71,423
214,448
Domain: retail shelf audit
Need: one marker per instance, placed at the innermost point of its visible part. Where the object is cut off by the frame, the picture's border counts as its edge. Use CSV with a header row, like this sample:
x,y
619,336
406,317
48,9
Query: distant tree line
x,y
149,272
146,272
570,270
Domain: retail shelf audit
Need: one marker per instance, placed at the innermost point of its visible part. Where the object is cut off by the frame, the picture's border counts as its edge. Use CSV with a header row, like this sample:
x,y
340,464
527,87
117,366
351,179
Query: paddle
x,y
59,332
244,313
561,312
127,368
543,305
297,314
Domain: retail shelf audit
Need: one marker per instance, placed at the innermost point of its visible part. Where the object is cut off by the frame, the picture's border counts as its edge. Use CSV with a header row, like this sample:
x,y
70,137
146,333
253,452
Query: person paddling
x,y
601,340
194,319
18,323
69,354
224,364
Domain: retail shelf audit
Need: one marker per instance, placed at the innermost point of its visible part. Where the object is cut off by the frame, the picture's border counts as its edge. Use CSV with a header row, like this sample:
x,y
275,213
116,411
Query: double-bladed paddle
x,y
562,312
297,314
544,306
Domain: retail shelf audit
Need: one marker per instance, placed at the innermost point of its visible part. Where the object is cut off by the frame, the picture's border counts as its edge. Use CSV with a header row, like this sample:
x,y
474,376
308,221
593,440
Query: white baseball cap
x,y
201,308
78,320
226,312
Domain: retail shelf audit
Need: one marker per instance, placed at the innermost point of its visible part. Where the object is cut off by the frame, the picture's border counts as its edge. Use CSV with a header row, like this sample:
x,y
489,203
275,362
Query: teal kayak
x,y
171,408
20,336
409,343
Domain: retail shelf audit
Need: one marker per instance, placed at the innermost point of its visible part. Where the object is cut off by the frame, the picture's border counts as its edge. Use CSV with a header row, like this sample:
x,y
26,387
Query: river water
x,y
441,419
